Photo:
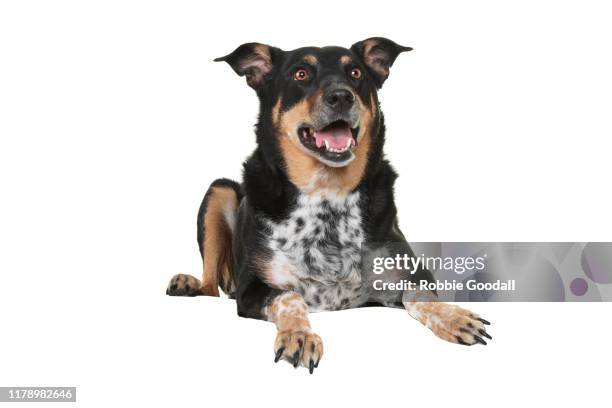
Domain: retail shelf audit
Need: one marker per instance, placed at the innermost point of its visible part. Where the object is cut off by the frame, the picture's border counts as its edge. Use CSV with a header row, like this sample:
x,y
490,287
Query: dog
x,y
289,239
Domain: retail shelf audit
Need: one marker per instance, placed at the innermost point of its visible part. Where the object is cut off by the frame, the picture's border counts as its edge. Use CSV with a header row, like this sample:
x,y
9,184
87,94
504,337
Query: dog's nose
x,y
340,99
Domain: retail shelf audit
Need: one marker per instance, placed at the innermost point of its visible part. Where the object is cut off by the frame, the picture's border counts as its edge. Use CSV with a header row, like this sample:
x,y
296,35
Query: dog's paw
x,y
299,347
183,285
452,323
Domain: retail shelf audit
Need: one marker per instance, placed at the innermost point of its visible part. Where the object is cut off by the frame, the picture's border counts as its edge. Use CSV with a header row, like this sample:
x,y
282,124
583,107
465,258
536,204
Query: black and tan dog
x,y
315,190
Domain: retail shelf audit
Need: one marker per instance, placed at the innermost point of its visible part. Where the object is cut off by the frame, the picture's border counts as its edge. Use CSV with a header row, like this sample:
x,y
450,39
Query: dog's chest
x,y
317,251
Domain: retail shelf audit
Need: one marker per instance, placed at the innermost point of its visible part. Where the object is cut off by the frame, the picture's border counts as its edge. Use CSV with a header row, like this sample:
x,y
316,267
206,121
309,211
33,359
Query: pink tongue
x,y
337,137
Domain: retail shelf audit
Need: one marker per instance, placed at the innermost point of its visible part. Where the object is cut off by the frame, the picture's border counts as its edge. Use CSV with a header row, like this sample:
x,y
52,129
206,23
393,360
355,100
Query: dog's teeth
x,y
342,149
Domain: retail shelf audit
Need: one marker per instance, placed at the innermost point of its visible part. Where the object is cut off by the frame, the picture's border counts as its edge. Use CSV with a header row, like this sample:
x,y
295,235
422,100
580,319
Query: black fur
x,y
268,192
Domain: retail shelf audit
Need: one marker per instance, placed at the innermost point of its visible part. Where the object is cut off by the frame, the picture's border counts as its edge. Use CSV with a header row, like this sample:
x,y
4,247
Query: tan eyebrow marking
x,y
311,59
345,59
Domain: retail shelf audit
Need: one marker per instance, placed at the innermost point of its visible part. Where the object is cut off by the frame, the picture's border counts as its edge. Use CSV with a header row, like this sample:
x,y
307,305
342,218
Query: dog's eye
x,y
356,73
300,75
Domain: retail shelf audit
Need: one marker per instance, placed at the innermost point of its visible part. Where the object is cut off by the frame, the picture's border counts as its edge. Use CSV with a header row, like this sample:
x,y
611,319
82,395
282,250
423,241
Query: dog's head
x,y
320,103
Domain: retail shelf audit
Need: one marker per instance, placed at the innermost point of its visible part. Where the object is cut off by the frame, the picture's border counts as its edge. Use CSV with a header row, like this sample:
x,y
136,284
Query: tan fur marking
x,y
262,50
289,312
345,59
276,111
288,121
183,285
217,241
295,341
310,59
305,171
448,322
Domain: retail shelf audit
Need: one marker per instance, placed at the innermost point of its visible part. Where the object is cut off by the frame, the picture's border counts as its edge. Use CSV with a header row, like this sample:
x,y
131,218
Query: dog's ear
x,y
378,54
253,60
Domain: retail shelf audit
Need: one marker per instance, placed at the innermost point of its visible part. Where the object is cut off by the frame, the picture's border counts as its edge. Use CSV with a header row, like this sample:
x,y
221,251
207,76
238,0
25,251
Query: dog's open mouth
x,y
334,142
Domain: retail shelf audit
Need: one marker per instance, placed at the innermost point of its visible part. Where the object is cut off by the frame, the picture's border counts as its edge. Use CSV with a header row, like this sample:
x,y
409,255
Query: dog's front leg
x,y
449,322
295,341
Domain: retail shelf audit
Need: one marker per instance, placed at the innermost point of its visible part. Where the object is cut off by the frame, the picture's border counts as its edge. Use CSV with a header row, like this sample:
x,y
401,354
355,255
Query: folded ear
x,y
253,60
378,54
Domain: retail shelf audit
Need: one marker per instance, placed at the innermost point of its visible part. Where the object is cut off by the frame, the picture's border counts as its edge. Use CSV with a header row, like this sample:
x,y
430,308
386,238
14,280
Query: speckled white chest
x,y
316,251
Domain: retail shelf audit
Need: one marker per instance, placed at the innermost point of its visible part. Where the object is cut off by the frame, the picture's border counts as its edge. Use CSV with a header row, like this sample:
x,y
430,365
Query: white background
x,y
114,119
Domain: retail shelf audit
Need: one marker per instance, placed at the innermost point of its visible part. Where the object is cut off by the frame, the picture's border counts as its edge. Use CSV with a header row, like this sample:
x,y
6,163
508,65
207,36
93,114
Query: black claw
x,y
296,359
480,340
278,355
167,291
483,320
460,341
317,363
485,334
311,366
